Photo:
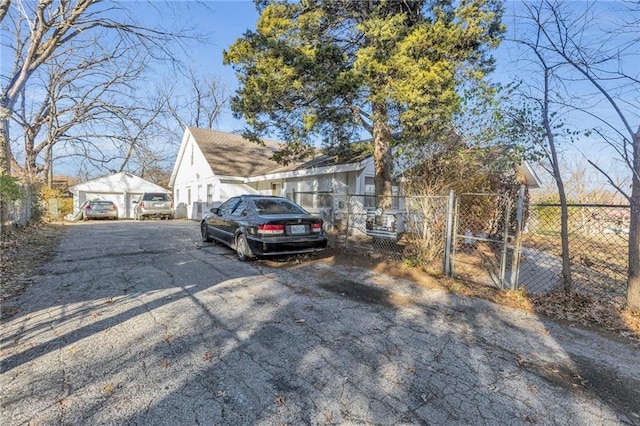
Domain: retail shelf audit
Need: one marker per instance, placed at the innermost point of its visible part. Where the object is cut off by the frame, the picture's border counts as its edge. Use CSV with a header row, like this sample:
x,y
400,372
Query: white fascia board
x,y
231,178
316,171
176,165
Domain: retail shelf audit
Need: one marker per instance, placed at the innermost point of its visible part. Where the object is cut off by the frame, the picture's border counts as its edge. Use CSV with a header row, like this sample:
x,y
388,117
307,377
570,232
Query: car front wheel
x,y
242,248
205,234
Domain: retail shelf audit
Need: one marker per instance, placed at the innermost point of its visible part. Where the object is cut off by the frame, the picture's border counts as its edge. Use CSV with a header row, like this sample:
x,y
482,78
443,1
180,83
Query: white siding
x,y
193,177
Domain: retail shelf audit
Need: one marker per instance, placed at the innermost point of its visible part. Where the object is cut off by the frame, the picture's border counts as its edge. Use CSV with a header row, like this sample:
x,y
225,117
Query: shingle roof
x,y
232,155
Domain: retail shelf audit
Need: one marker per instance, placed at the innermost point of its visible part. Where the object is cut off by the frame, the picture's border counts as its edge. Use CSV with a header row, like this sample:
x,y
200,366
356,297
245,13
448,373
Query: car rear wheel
x,y
205,234
242,248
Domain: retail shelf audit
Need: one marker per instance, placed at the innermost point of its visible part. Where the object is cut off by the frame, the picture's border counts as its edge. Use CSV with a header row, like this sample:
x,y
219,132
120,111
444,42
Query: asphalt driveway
x,y
141,323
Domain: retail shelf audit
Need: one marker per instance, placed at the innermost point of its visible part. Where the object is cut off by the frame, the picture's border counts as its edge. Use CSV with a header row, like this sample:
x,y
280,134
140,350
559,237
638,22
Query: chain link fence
x,y
492,239
410,229
598,249
483,237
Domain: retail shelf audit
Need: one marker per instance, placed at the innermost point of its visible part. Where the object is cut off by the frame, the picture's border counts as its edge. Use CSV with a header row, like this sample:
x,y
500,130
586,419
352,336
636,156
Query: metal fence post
x,y
347,224
505,244
448,235
517,244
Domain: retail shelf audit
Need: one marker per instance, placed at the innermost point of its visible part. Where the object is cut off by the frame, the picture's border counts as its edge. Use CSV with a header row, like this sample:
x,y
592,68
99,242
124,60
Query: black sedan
x,y
258,225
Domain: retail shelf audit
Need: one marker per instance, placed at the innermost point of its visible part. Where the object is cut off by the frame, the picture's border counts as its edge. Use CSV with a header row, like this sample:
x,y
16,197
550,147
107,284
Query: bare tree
x,y
77,89
604,54
202,101
537,116
40,30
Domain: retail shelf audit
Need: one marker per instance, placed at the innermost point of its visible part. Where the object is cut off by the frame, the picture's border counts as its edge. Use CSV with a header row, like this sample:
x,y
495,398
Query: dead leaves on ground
x,y
588,311
24,250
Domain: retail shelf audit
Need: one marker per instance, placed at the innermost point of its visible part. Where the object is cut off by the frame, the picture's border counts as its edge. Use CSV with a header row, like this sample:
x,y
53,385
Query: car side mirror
x,y
244,212
134,202
215,210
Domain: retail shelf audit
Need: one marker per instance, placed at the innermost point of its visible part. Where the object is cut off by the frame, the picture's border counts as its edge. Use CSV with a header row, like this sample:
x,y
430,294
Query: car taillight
x,y
172,205
115,207
316,227
88,207
271,229
141,204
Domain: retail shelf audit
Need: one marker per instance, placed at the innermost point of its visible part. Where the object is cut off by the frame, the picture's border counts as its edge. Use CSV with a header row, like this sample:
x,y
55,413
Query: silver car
x,y
99,209
153,204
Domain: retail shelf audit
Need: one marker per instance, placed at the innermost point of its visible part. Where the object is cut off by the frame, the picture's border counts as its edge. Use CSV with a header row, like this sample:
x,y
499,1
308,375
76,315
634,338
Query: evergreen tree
x,y
329,70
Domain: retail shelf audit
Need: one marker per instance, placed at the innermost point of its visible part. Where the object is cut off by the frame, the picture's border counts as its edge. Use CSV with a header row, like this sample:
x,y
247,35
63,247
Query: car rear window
x,y
100,203
156,197
266,206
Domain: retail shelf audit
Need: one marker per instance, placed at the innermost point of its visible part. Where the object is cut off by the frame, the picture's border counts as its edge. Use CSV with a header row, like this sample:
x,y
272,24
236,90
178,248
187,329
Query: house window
x,y
369,192
188,196
306,199
369,186
177,195
210,193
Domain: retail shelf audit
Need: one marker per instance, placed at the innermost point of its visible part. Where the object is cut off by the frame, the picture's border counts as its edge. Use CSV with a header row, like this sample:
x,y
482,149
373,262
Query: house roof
x,y
117,183
223,150
230,154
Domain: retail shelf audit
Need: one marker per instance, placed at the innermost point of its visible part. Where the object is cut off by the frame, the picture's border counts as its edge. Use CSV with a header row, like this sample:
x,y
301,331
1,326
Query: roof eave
x,y
338,168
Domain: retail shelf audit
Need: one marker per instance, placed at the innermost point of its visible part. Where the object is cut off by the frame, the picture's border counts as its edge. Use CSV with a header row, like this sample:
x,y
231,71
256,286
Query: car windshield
x,y
156,197
275,206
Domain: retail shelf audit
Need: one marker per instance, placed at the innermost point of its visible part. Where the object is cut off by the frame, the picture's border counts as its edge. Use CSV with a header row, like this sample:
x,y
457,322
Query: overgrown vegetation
x,y
463,169
10,192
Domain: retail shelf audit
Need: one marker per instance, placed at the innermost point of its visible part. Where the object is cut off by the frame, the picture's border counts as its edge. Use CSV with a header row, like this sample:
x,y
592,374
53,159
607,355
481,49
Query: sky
x,y
226,21
223,22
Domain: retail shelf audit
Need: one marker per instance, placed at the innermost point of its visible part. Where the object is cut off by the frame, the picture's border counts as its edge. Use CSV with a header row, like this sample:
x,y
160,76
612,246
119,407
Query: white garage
x,y
122,188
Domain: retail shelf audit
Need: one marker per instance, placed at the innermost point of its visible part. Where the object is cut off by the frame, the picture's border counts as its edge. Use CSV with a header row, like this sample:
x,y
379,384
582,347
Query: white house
x,y
213,166
122,188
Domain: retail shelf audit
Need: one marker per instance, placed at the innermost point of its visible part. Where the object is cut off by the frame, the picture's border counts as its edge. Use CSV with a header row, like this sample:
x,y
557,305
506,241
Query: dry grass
x,y
24,250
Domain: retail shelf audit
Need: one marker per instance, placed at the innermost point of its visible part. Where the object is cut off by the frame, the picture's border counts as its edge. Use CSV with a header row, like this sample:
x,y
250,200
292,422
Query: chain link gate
x,y
486,238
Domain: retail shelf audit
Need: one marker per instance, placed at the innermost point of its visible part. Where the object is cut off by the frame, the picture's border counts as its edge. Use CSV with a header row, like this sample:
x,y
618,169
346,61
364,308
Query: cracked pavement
x,y
141,323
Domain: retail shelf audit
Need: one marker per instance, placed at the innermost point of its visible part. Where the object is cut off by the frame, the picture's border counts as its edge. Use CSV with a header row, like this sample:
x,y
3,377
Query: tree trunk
x,y
633,279
382,155
567,281
5,151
